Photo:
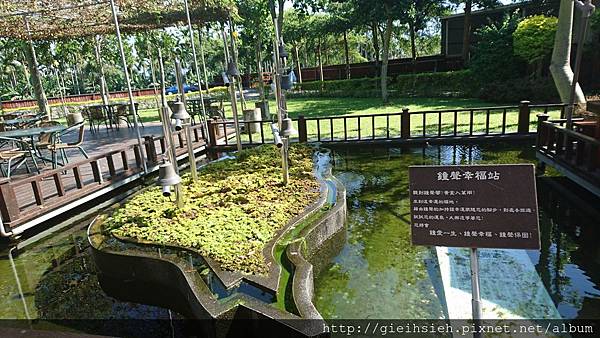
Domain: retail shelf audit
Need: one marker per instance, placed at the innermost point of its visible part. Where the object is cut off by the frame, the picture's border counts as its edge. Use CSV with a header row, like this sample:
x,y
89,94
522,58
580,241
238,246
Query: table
x,y
32,134
18,122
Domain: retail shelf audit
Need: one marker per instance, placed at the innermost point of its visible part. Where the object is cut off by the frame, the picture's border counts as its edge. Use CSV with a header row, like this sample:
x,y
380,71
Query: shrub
x,y
514,90
493,58
533,39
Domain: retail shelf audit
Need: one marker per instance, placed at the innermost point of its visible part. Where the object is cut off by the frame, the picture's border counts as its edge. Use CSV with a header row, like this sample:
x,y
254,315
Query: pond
x,y
380,275
54,278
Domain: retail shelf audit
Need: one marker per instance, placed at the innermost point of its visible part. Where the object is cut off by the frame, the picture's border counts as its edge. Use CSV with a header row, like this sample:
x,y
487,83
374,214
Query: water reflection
x,y
55,279
379,274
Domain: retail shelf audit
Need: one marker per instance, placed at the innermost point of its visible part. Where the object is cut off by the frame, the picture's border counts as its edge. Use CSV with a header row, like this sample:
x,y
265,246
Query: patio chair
x,y
123,114
60,147
216,111
20,150
96,116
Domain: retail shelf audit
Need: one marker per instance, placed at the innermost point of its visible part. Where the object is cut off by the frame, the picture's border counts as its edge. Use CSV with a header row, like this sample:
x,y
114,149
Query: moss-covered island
x,y
230,213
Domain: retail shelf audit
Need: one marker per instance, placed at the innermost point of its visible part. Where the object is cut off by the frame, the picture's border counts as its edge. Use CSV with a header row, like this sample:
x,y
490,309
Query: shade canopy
x,y
60,19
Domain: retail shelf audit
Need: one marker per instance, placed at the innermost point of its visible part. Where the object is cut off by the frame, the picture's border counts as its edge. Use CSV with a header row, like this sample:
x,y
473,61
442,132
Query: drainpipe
x,y
3,232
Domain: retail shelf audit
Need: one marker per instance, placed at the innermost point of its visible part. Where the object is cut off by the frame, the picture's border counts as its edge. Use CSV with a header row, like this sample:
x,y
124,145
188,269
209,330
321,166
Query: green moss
x,y
230,213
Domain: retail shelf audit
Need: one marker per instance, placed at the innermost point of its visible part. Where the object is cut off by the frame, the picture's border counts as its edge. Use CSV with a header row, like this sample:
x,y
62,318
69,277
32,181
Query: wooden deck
x,y
575,155
115,160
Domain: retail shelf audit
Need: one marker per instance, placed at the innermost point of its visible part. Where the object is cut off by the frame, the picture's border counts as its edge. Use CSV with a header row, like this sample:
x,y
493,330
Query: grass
x,y
378,127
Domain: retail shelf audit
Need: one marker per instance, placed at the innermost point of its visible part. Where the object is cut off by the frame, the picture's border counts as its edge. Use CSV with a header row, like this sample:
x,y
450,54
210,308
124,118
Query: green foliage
x,y
534,37
230,213
514,90
457,83
493,59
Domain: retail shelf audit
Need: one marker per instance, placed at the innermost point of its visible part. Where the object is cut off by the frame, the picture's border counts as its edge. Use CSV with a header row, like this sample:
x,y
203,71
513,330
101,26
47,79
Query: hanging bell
x,y
232,69
283,54
287,128
179,111
286,82
225,78
167,177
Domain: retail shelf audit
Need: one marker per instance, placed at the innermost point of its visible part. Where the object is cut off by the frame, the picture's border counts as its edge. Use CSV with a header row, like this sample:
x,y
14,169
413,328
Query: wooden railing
x,y
405,125
22,200
577,152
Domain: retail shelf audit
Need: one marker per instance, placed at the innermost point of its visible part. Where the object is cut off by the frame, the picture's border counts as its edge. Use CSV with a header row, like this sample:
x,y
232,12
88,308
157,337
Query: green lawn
x,y
347,107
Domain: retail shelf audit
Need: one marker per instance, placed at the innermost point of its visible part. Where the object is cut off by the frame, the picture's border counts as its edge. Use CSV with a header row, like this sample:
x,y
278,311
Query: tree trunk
x,y
259,69
347,55
103,87
36,78
320,60
413,45
375,31
467,31
386,53
560,65
298,65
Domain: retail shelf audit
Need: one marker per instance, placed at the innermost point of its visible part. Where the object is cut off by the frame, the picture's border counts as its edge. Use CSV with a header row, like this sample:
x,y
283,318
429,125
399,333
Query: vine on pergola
x,y
62,19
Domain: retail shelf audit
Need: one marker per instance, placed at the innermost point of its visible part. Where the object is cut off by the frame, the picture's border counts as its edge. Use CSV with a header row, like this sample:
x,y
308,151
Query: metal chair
x,y
58,146
96,115
20,150
124,114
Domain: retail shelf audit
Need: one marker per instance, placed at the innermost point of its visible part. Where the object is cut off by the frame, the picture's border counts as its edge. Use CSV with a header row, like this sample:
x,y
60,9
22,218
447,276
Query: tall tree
x,y
469,5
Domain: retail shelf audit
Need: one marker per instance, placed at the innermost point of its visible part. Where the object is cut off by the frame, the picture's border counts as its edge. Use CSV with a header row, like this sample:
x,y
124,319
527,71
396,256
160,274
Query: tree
x,y
418,15
255,31
533,39
469,4
560,66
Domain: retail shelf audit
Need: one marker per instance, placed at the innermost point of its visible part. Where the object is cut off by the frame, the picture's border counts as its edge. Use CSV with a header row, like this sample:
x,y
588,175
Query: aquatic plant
x,y
231,212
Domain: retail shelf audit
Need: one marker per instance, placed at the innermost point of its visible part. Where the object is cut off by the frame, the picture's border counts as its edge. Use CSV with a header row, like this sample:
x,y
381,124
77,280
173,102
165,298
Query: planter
x,y
197,287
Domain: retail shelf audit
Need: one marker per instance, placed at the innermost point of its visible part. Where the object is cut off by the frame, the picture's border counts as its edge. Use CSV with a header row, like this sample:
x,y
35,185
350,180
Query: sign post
x,y
477,206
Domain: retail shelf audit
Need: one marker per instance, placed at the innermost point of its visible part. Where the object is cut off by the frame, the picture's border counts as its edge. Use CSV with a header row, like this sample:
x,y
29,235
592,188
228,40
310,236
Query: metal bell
x,y
167,175
232,69
179,111
287,128
286,82
282,52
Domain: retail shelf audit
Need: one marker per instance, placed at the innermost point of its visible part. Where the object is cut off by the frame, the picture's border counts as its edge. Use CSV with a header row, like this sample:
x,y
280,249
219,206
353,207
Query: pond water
x,y
378,274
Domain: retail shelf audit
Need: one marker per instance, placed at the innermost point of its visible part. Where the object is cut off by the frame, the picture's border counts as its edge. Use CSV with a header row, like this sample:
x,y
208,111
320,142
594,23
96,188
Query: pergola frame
x,y
62,19
54,19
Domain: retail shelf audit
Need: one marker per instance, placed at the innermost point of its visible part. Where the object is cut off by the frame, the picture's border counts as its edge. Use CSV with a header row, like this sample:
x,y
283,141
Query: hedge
x,y
460,83
457,83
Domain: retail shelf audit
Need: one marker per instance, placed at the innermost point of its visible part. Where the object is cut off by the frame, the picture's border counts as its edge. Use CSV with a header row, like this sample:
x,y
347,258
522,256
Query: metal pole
x,y
586,10
198,76
188,132
202,58
19,288
235,61
167,132
238,138
103,87
128,81
476,300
